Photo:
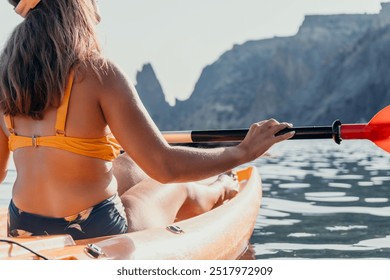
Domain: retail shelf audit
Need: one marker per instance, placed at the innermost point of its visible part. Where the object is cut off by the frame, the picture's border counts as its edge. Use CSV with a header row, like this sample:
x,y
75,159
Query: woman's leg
x,y
149,203
127,173
205,195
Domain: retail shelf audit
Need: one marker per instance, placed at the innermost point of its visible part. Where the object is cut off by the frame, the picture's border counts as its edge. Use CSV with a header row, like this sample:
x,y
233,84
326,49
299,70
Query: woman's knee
x,y
150,204
127,173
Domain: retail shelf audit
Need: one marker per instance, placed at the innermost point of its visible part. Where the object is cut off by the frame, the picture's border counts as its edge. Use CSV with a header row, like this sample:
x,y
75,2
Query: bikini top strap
x,y
62,111
9,122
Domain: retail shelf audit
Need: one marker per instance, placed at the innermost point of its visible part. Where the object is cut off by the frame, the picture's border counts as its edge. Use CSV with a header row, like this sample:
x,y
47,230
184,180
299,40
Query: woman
x,y
63,103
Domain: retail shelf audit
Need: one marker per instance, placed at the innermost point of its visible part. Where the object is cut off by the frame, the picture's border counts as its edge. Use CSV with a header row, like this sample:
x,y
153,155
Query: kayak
x,y
221,233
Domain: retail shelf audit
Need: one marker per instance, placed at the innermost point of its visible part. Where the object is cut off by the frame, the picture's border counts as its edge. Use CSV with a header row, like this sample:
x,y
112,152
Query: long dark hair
x,y
55,36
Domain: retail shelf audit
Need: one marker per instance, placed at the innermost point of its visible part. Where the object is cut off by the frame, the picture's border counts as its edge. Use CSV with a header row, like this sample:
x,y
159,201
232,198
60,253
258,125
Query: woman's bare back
x,y
59,182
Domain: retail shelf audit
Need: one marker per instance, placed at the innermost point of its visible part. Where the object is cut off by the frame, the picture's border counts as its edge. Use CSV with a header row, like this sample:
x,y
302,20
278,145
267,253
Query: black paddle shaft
x,y
236,135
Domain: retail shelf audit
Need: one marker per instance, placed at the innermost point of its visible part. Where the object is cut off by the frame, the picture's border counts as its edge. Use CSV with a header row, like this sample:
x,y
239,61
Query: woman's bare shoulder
x,y
103,75
115,74
115,81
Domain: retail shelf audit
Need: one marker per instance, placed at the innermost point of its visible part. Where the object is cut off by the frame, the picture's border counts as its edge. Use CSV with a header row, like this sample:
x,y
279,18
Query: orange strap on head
x,y
63,109
24,6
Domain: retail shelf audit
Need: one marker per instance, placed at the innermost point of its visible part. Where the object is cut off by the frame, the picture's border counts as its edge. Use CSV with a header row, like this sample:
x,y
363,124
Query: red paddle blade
x,y
377,130
379,127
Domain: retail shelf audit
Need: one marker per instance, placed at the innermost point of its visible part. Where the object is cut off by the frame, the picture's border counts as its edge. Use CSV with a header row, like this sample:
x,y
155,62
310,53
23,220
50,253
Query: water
x,y
324,201
320,200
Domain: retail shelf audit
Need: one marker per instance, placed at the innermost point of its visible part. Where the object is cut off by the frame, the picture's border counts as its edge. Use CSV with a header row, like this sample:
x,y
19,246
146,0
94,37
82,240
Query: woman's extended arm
x,y
141,139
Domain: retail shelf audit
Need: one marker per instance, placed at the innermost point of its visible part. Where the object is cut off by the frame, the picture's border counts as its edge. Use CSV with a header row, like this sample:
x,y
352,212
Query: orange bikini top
x,y
106,147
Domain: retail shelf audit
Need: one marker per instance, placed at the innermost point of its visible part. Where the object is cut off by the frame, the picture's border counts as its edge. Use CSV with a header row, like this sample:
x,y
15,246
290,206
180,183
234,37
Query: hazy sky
x,y
180,37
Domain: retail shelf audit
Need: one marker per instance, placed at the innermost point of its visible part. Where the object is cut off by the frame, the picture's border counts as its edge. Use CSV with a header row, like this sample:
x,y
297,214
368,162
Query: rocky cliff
x,y
336,66
152,96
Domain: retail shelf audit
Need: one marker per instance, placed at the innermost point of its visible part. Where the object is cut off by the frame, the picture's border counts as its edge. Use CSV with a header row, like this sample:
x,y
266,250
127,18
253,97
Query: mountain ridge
x,y
334,67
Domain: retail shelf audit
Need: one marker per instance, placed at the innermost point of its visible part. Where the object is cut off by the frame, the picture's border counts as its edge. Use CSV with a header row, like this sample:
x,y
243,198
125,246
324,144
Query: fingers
x,y
277,128
260,123
25,6
261,136
273,127
286,135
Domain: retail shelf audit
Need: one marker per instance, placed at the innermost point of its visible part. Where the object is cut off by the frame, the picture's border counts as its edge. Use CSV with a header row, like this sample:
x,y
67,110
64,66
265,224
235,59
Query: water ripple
x,y
305,203
310,208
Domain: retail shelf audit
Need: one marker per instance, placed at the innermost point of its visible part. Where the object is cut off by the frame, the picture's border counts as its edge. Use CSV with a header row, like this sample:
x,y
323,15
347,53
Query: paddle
x,y
377,131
